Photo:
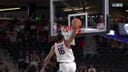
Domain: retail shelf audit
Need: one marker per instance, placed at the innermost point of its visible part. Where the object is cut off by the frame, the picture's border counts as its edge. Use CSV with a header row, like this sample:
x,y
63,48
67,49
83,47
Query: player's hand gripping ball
x,y
76,23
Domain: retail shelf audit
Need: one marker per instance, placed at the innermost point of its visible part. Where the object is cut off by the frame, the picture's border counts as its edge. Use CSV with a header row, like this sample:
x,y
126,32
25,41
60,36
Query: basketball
x,y
76,22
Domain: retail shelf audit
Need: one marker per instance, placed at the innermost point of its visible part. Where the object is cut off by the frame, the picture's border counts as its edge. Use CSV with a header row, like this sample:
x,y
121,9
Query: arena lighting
x,y
58,0
126,10
9,9
75,9
87,8
117,4
68,9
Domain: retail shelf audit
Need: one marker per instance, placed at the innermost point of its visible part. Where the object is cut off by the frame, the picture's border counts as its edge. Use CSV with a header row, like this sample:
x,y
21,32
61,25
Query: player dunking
x,y
63,52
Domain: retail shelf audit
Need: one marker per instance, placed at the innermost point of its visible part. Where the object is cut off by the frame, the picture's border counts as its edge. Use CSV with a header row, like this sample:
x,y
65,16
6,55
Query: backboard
x,y
92,13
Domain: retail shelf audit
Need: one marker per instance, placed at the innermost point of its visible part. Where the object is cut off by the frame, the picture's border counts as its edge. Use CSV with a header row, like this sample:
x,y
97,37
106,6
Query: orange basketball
x,y
76,22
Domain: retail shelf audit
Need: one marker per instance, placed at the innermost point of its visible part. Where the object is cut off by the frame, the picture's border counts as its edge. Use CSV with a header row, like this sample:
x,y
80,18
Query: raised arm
x,y
47,59
73,34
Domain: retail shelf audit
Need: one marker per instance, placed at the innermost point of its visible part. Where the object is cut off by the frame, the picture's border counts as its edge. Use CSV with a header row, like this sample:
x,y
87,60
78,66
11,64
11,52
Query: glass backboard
x,y
92,13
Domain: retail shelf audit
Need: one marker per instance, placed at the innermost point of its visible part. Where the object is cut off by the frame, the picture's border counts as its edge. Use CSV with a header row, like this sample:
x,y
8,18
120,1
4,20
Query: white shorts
x,y
67,67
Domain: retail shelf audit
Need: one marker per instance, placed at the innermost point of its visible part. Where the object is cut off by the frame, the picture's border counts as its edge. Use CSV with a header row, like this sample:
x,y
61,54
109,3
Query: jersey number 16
x,y
61,50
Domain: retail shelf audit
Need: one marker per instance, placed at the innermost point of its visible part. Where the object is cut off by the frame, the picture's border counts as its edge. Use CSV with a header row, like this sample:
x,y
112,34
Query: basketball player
x,y
63,52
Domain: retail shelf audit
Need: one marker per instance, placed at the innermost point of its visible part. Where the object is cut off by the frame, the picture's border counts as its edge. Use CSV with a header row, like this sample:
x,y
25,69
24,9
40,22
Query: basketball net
x,y
66,31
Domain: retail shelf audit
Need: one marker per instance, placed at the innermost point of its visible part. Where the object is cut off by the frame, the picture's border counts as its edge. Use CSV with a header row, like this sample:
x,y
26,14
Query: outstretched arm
x,y
47,59
73,34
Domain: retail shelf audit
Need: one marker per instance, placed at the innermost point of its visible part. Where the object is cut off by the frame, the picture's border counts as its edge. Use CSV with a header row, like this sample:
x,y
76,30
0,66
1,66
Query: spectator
x,y
21,61
102,69
32,68
13,38
27,59
83,69
91,69
35,57
3,67
42,56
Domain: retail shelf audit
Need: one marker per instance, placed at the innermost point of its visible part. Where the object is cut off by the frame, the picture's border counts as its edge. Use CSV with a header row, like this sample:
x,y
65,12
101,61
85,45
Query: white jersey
x,y
63,53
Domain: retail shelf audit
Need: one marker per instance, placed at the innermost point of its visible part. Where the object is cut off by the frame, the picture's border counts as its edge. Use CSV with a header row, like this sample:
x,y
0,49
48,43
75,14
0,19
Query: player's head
x,y
60,37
